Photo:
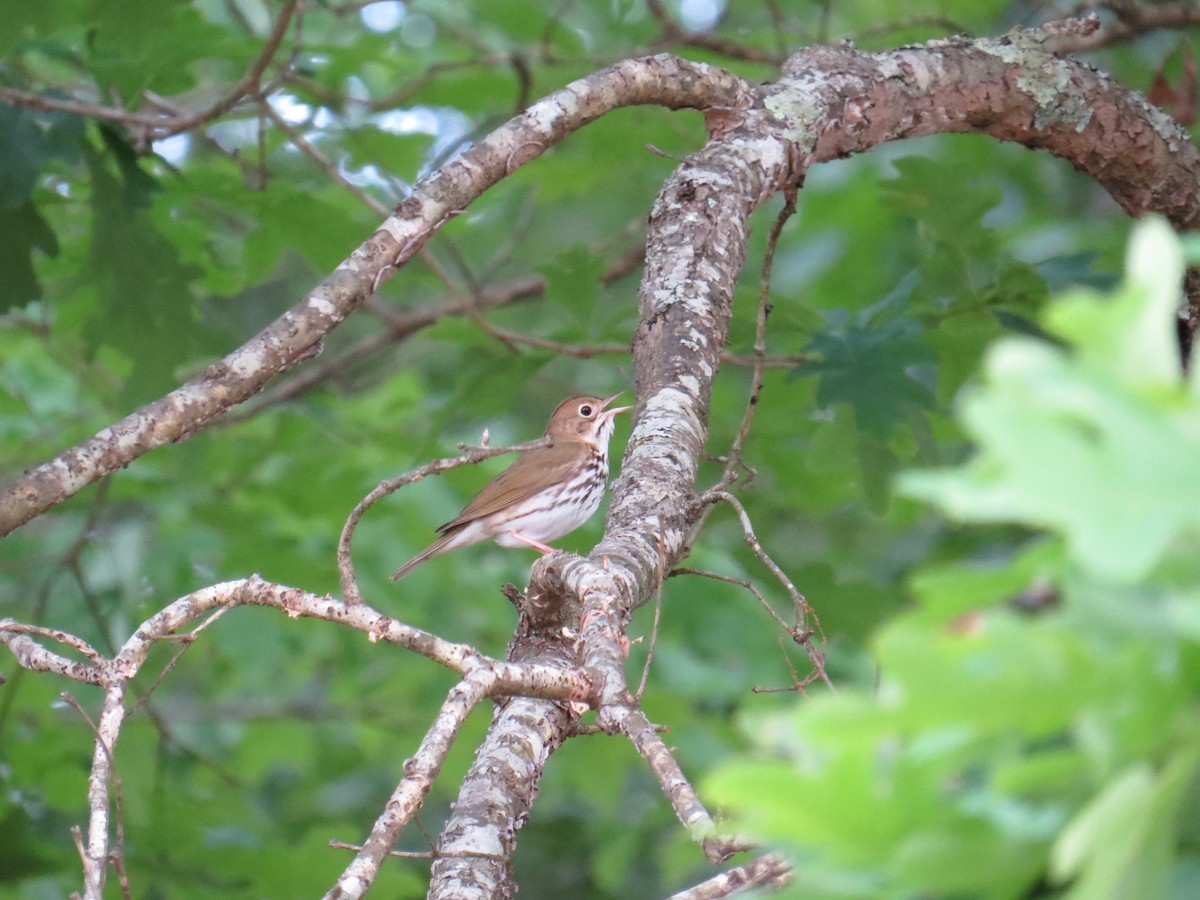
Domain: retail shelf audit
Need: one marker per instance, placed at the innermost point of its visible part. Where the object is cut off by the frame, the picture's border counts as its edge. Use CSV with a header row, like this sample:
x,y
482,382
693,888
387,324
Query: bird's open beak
x,y
609,413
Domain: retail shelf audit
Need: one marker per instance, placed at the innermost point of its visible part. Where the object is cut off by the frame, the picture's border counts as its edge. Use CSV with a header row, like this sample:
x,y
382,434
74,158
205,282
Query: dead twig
x,y
395,854
473,455
734,456
767,873
802,611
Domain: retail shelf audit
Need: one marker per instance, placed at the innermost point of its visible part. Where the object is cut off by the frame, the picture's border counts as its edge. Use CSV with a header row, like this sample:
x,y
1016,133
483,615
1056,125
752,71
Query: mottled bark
x,y
297,334
829,102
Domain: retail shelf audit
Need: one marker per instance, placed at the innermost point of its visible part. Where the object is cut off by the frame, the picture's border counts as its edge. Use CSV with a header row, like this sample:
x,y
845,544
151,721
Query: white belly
x,y
548,524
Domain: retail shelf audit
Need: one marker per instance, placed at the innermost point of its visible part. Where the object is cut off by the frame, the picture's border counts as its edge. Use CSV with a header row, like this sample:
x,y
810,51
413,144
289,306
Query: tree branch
x,y
769,872
146,127
419,773
472,854
297,334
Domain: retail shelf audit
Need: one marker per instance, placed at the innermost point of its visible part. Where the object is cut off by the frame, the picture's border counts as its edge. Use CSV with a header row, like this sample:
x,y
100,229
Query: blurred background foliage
x,y
1014,714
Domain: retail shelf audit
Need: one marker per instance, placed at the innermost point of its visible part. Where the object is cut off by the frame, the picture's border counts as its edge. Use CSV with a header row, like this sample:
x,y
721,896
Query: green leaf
x,y
22,231
1074,270
573,280
1133,333
23,150
950,590
1122,843
138,298
139,44
876,365
1098,443
28,21
947,201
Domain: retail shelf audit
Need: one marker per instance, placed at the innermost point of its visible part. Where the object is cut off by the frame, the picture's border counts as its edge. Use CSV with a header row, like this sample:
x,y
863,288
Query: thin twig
x,y
798,634
305,146
658,598
803,612
586,351
150,127
419,773
400,325
247,86
945,24
473,455
660,577
734,456
327,165
674,33
799,685
185,641
733,460
118,850
765,873
397,854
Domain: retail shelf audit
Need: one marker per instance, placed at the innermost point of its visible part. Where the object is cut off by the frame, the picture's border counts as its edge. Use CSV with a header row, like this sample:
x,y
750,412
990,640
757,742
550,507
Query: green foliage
x,y
1035,718
27,142
873,366
1026,740
1093,443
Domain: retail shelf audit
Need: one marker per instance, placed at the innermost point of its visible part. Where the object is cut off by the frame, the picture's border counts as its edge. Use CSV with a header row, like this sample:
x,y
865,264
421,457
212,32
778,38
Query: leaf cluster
x,y
126,268
1035,721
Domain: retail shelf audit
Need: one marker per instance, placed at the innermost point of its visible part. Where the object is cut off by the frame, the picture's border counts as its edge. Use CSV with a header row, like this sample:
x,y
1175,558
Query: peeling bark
x,y
297,334
828,103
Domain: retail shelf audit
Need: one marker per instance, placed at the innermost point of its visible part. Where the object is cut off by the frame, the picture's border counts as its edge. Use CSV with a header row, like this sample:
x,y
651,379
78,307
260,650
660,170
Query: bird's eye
x,y
586,410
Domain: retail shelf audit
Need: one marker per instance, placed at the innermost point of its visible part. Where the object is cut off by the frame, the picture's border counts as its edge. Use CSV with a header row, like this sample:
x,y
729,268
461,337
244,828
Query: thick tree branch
x,y
830,102
297,334
837,101
482,677
471,859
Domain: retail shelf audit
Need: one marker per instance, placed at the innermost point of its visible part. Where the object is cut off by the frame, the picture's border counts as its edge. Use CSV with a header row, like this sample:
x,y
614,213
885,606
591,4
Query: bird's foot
x,y
544,549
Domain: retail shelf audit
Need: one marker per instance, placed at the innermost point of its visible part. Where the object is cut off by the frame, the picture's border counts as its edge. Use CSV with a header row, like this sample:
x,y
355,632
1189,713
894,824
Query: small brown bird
x,y
548,492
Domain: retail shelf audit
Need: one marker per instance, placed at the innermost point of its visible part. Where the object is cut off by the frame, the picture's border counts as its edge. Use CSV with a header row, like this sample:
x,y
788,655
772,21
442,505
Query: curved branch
x,y
831,102
297,334
482,677
837,101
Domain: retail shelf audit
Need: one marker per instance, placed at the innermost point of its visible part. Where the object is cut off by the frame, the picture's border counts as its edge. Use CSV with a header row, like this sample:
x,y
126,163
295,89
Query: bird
x,y
547,492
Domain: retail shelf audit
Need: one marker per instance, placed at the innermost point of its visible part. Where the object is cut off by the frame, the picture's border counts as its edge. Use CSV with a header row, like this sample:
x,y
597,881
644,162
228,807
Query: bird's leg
x,y
535,544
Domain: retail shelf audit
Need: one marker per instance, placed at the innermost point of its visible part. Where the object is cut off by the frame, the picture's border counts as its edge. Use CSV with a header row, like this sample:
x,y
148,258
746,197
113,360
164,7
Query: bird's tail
x,y
433,549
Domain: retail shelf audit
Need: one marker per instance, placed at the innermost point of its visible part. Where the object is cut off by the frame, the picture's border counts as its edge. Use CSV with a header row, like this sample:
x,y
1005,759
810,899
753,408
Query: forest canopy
x,y
896,591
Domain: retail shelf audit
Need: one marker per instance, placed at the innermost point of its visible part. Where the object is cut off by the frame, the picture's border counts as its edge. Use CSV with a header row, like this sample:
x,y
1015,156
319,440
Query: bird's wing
x,y
533,472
